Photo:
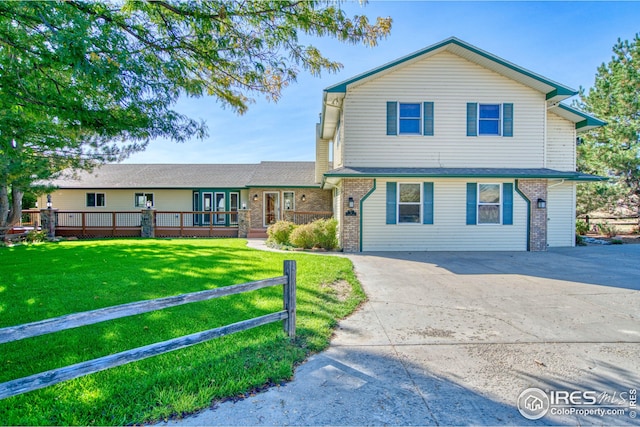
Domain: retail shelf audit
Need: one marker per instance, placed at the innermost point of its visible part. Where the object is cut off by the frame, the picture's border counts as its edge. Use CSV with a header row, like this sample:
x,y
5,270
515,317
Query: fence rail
x,y
624,221
55,376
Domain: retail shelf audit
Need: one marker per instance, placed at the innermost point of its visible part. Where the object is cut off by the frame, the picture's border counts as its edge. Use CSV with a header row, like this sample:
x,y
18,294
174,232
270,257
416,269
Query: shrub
x,y
34,236
325,233
280,232
580,240
607,229
582,227
303,236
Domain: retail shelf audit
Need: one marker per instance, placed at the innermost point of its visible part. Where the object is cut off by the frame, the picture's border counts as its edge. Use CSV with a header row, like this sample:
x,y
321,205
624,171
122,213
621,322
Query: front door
x,y
271,208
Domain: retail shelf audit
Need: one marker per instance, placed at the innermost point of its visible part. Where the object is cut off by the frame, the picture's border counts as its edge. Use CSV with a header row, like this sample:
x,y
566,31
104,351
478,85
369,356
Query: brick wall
x,y
536,189
350,224
316,200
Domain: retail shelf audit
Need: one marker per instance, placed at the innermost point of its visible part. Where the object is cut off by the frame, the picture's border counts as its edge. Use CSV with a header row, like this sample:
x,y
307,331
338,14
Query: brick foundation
x,y
535,189
356,188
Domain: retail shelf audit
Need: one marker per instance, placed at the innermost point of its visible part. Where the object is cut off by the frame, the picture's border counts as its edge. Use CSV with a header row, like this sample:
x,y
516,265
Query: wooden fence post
x,y
290,297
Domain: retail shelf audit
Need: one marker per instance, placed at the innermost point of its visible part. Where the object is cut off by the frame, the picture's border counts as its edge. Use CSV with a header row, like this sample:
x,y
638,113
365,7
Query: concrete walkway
x,y
454,338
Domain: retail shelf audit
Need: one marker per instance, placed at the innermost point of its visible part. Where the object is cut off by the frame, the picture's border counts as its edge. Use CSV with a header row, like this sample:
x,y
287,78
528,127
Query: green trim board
x,y
361,212
557,88
541,173
588,120
526,199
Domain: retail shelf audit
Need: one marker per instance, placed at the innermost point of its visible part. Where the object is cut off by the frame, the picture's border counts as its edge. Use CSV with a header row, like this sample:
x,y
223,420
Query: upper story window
x,y
141,199
410,118
489,119
489,122
96,200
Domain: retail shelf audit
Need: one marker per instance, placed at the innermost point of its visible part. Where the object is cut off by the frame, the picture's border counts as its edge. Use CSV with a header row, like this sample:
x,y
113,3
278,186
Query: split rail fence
x,y
57,324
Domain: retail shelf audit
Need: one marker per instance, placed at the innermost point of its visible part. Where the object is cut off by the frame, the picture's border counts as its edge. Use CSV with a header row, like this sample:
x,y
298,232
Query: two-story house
x,y
448,148
451,148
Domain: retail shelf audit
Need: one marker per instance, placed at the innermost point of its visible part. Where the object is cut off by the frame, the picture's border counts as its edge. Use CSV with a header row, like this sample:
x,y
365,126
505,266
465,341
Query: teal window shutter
x,y
472,119
391,202
507,121
427,111
427,203
507,203
472,196
392,118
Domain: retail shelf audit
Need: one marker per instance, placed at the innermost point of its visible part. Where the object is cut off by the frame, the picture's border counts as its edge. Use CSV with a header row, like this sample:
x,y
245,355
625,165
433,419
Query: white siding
x,y
121,200
449,231
450,82
561,144
561,214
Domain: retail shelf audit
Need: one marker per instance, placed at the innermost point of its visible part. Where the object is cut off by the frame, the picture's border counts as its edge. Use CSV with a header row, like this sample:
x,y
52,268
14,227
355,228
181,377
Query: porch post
x,y
148,223
244,222
48,221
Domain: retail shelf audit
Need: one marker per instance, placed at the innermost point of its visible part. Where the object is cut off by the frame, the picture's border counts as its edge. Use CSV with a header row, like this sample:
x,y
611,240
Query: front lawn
x,y
48,280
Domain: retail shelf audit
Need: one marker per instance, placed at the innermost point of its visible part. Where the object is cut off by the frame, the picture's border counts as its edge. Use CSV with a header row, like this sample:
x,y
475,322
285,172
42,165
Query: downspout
x,y
556,184
361,204
526,199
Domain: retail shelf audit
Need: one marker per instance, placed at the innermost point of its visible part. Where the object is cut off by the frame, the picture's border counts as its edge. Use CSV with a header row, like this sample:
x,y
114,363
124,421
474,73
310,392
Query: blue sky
x,y
563,41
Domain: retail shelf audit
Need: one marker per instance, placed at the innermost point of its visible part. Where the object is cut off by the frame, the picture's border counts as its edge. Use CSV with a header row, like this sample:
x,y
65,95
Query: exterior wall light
x,y
148,204
542,204
49,204
255,197
303,198
351,203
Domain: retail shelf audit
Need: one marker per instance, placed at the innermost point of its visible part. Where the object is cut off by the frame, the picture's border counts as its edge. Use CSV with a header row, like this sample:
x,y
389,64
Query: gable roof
x,y
191,176
554,91
473,54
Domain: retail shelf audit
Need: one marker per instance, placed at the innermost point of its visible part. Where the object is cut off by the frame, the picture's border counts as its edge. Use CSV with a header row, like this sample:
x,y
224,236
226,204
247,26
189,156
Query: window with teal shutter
x,y
472,194
427,112
507,203
391,202
472,119
507,120
427,203
392,118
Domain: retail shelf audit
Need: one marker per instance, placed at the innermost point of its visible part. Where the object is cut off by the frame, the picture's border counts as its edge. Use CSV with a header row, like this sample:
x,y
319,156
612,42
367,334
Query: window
x,y
409,203
289,201
141,199
409,119
489,119
489,203
415,118
96,200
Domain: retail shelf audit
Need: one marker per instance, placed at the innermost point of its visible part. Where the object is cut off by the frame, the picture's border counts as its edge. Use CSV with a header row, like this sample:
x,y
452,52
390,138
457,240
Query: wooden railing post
x,y
290,297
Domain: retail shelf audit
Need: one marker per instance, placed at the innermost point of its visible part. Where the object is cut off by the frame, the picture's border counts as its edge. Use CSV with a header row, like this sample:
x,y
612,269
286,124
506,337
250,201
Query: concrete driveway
x,y
455,338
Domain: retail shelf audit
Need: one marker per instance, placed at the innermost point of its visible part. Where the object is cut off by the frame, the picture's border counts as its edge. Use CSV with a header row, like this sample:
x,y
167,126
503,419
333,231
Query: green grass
x,y
47,280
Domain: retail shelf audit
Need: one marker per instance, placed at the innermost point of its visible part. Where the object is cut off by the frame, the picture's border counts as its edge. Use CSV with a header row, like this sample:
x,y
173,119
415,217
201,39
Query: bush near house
x,y
280,232
321,233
